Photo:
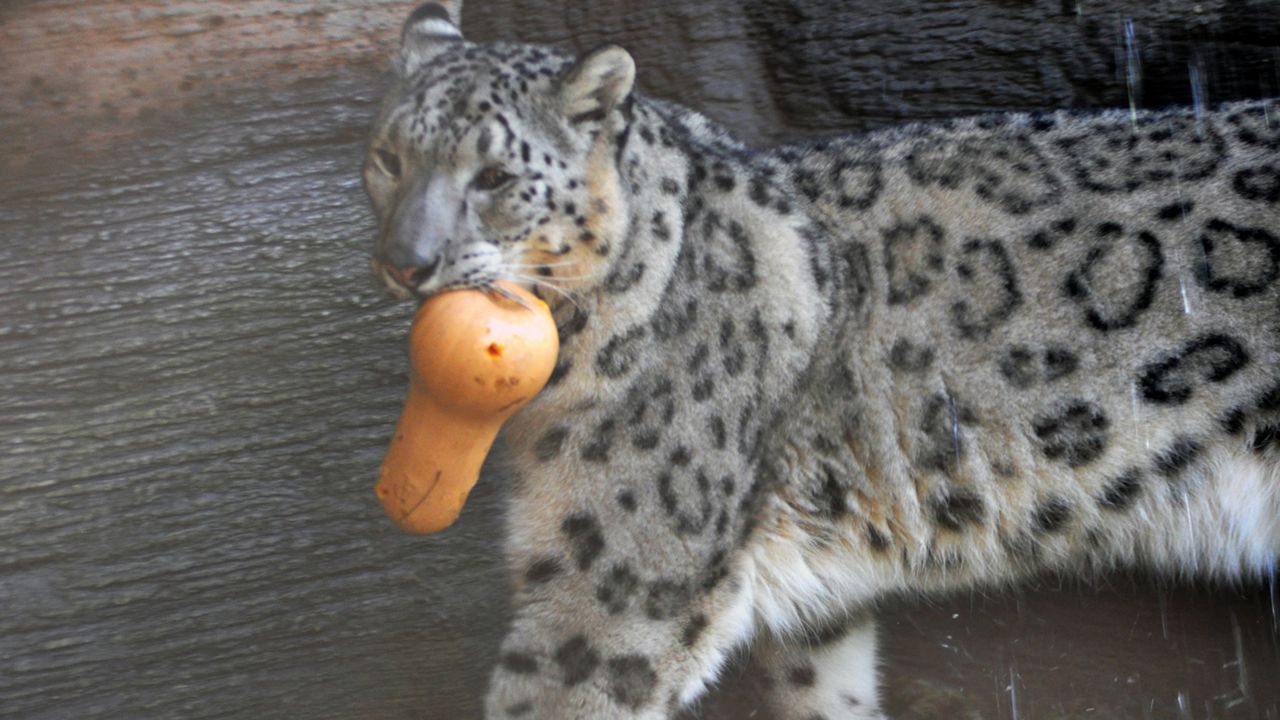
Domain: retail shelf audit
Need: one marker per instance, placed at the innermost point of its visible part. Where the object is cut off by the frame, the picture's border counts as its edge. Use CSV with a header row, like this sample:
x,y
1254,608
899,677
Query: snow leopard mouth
x,y
417,283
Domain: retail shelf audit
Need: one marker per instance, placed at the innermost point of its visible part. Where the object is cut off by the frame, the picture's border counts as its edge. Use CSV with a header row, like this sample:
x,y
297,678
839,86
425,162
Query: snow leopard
x,y
796,382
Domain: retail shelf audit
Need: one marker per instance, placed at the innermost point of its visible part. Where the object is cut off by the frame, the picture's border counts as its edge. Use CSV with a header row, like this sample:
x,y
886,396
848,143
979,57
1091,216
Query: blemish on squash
x,y
494,350
513,403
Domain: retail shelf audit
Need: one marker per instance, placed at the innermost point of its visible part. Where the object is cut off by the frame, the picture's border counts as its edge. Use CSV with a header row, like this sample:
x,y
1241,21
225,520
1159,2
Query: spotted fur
x,y
794,382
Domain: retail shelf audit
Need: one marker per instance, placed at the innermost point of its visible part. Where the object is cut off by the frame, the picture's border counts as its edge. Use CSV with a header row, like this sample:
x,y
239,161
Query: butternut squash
x,y
475,359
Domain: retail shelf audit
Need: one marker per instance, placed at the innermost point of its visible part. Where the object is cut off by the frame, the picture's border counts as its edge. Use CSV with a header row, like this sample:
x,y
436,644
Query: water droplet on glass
x,y
1013,693
1272,594
1242,675
1137,413
1164,613
1132,69
1191,526
955,425
1198,91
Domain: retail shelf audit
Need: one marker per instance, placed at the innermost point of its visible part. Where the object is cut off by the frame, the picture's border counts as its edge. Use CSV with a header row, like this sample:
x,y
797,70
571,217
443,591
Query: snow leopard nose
x,y
411,276
418,233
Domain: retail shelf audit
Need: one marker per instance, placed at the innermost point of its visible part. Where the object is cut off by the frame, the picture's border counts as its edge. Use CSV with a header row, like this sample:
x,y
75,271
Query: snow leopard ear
x,y
597,84
430,28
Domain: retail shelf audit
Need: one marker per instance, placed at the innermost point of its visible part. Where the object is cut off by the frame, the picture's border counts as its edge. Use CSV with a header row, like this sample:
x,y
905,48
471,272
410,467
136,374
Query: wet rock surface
x,y
199,376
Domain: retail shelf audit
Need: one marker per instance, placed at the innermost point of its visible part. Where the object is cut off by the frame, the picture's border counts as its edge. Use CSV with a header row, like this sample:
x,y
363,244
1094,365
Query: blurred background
x,y
198,375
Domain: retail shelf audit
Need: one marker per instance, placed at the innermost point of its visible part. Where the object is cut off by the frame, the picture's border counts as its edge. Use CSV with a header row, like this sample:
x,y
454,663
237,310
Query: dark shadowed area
x,y
198,375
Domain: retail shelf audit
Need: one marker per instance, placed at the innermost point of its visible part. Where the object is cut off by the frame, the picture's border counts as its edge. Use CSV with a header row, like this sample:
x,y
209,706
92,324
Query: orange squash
x,y
475,359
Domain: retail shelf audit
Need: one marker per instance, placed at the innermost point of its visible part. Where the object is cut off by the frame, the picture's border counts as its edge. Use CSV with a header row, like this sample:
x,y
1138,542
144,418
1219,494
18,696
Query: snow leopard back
x,y
1058,328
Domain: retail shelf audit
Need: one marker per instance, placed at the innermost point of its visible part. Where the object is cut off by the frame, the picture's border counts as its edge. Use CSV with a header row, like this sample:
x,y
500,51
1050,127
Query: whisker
x,y
507,294
542,282
538,265
548,280
567,297
552,277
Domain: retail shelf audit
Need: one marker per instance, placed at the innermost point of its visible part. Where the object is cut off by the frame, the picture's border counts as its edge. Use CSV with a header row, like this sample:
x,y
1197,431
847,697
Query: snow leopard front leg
x,y
616,616
628,536
829,674
563,660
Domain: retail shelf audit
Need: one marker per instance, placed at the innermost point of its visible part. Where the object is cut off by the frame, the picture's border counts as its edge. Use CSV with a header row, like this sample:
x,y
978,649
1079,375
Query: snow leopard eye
x,y
387,162
492,178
